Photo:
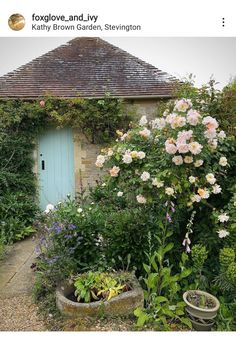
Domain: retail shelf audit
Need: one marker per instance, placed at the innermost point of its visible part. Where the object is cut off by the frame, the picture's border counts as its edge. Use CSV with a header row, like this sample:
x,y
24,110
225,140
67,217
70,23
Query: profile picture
x,y
16,22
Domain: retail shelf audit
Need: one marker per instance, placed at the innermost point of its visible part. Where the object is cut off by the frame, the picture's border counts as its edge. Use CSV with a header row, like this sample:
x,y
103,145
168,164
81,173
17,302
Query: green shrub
x,y
231,273
17,213
199,256
226,257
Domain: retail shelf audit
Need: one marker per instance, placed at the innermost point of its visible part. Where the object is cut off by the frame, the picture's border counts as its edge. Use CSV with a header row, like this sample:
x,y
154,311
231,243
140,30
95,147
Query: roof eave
x,y
91,97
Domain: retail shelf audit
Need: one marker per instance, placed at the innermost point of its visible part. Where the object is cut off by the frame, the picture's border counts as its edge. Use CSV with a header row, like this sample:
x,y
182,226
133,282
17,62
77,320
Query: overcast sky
x,y
203,57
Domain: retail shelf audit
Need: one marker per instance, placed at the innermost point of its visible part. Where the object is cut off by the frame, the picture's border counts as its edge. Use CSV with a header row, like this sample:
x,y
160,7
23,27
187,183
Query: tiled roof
x,y
86,67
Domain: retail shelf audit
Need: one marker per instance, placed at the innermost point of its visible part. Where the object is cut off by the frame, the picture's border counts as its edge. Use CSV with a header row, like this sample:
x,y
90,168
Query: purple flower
x,y
37,250
71,226
186,242
188,250
52,260
68,236
168,217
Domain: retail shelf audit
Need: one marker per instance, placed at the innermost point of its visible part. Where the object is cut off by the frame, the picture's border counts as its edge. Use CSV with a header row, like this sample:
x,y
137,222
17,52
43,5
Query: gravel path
x,y
17,311
19,314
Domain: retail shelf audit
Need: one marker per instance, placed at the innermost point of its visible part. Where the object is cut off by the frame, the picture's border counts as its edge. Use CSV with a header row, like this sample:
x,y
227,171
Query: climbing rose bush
x,y
175,158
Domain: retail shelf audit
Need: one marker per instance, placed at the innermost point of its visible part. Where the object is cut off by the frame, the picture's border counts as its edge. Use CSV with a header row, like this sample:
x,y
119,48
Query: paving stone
x,y
17,311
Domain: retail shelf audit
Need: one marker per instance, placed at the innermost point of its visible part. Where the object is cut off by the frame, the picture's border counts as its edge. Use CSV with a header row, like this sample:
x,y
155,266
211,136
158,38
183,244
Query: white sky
x,y
203,57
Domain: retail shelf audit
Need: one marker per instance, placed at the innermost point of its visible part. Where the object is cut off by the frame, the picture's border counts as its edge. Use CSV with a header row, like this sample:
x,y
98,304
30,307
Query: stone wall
x,y
141,107
86,173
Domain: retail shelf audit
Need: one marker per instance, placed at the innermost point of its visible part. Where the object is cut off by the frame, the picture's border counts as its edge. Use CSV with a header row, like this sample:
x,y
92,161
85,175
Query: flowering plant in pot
x,y
93,293
202,308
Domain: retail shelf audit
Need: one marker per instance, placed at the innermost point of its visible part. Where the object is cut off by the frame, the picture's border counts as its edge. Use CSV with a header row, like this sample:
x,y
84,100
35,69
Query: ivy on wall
x,y
21,121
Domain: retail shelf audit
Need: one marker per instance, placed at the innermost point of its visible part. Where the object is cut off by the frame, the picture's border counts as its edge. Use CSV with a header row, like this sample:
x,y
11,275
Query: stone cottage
x,y
91,67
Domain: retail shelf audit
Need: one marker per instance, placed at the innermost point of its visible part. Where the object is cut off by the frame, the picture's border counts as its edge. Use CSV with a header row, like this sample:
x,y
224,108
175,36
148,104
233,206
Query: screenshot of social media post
x,y
117,168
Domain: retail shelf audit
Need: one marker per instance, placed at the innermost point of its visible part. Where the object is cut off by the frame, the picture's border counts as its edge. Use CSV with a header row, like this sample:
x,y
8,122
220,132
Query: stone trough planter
x,y
123,304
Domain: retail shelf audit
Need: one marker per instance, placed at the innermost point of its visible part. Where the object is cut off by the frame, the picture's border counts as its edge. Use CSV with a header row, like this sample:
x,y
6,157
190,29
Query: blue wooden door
x,y
55,166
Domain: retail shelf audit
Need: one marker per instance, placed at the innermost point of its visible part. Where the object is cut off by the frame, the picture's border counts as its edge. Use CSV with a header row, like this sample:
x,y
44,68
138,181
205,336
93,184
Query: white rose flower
x,y
143,121
79,210
178,121
210,122
196,198
171,117
49,207
188,159
123,137
210,134
145,176
157,183
216,189
198,163
120,193
211,178
222,134
195,148
192,179
213,143
141,155
222,233
141,199
182,105
127,158
223,161
169,191
158,123
223,218
100,161
145,133
203,193
103,184
178,160
110,152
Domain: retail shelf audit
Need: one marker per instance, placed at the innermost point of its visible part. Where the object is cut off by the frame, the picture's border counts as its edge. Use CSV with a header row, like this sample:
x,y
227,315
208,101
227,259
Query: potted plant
x,y
201,308
92,293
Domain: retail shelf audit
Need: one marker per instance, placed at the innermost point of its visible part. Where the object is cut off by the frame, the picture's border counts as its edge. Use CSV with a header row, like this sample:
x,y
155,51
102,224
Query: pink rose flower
x,y
171,149
193,117
182,147
114,171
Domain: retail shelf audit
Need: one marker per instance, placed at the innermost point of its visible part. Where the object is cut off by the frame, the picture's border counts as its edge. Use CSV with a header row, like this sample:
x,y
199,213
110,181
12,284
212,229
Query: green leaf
x,y
138,312
142,316
146,267
169,233
168,248
184,258
186,321
153,262
161,299
185,273
179,312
